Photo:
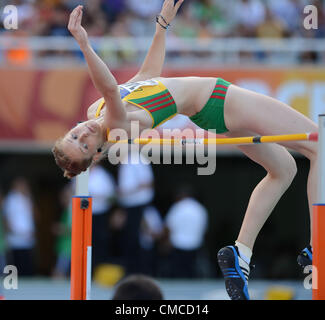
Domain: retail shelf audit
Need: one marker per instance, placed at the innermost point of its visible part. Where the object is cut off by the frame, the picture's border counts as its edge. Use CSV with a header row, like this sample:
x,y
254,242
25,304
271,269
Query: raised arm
x,y
101,76
154,61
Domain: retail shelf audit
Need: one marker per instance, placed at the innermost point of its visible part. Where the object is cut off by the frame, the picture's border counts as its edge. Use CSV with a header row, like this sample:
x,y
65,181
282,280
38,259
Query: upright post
x,y
81,240
318,223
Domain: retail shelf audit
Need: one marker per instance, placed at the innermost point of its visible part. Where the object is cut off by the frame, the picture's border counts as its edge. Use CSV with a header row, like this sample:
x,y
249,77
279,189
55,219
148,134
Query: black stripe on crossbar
x,y
257,139
130,141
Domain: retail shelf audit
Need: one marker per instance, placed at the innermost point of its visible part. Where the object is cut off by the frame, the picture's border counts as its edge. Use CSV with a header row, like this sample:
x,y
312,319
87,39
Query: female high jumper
x,y
211,103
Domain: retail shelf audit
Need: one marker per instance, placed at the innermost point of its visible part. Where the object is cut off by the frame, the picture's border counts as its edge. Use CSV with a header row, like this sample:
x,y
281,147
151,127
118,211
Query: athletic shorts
x,y
211,117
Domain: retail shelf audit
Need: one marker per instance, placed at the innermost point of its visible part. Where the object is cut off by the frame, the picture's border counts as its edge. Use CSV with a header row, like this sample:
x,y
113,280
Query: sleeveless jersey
x,y
151,96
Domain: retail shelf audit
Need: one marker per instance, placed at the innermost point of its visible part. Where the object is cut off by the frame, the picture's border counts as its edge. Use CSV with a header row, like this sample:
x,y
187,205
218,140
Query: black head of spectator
x,y
138,287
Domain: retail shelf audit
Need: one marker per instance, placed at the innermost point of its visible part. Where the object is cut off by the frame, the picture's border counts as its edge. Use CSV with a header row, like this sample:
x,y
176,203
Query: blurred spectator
x,y
144,8
19,215
142,13
211,18
63,232
135,185
26,13
187,26
116,224
289,12
102,190
114,9
151,230
249,14
138,287
59,18
186,222
271,27
95,19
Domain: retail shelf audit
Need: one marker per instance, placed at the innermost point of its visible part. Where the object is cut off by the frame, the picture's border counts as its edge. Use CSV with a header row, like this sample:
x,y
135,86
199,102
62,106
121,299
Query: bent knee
x,y
285,171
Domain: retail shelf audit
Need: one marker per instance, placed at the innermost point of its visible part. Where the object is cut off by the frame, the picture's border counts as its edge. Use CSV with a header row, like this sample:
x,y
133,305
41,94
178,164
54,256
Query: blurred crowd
x,y
130,236
197,18
200,20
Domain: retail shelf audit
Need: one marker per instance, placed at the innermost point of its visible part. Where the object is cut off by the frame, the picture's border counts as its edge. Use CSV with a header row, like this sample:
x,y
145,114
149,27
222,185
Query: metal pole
x,y
82,184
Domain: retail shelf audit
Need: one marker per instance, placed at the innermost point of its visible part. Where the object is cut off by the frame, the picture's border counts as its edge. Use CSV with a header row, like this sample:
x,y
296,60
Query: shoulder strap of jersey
x,y
99,109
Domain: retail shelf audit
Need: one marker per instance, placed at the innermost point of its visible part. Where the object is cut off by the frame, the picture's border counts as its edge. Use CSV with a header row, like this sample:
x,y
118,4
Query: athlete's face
x,y
83,140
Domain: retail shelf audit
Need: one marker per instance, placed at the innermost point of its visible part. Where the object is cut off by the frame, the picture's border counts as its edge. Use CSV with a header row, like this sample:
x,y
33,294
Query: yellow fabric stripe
x,y
147,91
99,109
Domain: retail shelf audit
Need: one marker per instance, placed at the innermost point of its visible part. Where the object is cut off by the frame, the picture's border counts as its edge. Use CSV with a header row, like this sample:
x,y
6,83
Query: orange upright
x,y
319,252
318,223
80,246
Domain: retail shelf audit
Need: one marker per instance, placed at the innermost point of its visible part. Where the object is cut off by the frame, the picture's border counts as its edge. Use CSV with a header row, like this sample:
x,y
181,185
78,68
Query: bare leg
x,y
281,169
247,110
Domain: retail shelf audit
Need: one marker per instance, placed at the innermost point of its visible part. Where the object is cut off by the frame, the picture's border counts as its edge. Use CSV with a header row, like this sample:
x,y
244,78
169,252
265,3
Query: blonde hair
x,y
70,168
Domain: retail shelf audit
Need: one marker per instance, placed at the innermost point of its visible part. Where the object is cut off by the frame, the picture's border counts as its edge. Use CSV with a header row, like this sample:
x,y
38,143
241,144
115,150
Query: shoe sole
x,y
235,287
303,262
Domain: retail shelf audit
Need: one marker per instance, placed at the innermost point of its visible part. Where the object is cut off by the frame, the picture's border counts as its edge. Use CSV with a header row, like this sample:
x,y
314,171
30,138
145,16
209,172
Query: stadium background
x,y
45,89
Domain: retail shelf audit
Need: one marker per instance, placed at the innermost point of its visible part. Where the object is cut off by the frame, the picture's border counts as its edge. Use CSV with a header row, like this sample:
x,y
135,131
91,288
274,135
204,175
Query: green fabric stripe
x,y
223,82
145,99
153,102
161,104
220,89
159,115
211,117
219,94
162,114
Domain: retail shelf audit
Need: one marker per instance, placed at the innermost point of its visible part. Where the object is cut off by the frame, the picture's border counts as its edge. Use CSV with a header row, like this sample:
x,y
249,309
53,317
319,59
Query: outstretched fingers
x,y
79,17
75,18
169,10
178,4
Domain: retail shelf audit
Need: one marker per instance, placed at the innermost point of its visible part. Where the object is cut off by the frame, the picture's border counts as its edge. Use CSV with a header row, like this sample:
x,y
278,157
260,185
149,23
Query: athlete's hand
x,y
170,9
74,26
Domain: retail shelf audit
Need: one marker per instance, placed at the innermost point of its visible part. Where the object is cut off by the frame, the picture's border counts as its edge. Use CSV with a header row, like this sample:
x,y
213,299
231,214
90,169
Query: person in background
x,y
138,287
186,222
63,232
249,14
136,191
152,227
102,189
19,216
116,225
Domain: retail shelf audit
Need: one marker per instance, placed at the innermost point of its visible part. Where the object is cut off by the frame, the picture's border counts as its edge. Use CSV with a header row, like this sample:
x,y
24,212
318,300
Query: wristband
x,y
157,20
